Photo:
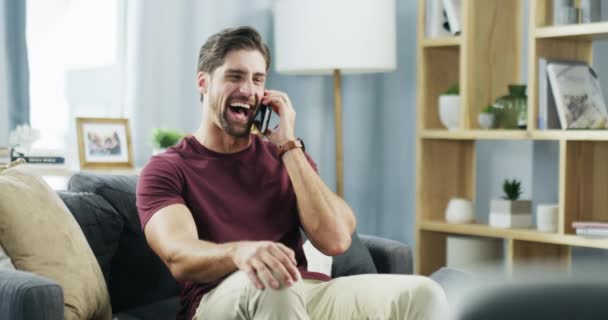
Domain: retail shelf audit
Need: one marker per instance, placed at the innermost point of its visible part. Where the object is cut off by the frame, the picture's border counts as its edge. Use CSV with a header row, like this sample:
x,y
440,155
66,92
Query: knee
x,y
281,297
429,298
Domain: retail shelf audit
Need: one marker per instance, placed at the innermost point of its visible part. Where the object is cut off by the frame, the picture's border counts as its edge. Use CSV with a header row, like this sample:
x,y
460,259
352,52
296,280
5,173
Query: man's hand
x,y
280,104
267,262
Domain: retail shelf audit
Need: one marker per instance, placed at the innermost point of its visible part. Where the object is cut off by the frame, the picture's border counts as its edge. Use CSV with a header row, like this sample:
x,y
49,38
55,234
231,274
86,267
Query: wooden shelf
x,y
64,171
573,135
531,235
475,134
569,135
598,30
484,60
442,42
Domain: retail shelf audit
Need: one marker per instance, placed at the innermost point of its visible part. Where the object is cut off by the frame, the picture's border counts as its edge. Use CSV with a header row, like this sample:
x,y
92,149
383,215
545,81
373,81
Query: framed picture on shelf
x,y
104,143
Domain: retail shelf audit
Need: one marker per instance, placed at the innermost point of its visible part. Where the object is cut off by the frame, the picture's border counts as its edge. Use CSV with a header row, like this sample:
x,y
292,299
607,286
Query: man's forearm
x,y
326,218
201,261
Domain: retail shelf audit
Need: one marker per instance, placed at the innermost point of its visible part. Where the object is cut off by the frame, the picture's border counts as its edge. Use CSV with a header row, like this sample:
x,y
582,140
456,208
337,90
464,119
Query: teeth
x,y
239,104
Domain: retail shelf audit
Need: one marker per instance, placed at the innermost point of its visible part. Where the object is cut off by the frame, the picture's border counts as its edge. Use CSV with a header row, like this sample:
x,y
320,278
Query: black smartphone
x,y
262,118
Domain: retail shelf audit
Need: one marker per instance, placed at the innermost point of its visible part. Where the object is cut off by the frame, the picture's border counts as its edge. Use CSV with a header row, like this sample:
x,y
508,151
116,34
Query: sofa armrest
x,y
389,256
25,296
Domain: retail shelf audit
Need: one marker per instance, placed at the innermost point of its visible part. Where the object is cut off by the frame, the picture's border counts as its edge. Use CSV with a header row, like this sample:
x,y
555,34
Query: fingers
x,y
288,252
288,261
277,100
278,271
253,276
274,266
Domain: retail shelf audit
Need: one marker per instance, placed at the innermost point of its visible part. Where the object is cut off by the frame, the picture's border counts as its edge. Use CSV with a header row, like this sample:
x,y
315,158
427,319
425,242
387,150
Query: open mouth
x,y
240,111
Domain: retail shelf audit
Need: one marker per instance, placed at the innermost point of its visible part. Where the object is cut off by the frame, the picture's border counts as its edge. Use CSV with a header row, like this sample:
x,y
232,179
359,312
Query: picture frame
x,y
104,143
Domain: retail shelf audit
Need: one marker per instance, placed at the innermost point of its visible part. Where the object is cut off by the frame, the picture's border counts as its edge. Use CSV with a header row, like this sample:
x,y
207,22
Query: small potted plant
x,y
511,212
485,119
449,107
165,138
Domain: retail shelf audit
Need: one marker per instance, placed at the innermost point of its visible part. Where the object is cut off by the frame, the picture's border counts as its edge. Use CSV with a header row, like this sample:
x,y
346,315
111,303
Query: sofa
x,y
139,284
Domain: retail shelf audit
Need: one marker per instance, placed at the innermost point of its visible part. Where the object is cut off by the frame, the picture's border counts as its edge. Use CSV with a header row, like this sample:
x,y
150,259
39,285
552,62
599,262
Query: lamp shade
x,y
319,36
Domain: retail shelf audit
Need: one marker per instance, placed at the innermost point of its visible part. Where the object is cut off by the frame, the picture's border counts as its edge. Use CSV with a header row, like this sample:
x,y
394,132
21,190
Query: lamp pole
x,y
338,133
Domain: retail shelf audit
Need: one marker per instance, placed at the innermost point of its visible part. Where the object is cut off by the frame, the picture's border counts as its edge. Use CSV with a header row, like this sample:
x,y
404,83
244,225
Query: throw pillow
x,y
41,236
139,277
356,260
100,223
317,260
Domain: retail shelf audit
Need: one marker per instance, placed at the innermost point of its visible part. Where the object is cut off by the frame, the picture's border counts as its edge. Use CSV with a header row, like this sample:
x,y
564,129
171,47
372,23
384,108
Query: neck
x,y
212,137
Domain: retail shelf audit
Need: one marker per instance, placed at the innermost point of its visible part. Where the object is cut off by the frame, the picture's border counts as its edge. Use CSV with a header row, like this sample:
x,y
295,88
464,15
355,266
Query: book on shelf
x,y
39,158
547,110
590,224
592,232
578,95
452,12
436,24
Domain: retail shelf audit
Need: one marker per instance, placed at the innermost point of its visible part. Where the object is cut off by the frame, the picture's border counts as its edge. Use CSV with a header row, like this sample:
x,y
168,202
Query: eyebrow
x,y
239,71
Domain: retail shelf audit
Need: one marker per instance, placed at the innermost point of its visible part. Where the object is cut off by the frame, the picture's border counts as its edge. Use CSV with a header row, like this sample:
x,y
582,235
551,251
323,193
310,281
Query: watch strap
x,y
291,144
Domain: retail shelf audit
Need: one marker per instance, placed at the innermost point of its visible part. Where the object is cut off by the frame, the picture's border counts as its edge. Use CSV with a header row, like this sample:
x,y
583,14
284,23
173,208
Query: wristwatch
x,y
291,144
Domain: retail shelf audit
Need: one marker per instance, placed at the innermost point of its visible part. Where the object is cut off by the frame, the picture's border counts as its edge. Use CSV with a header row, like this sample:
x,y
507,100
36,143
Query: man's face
x,y
234,91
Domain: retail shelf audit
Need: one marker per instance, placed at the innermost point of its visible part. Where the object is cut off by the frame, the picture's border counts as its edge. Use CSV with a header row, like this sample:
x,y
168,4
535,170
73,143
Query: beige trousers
x,y
372,296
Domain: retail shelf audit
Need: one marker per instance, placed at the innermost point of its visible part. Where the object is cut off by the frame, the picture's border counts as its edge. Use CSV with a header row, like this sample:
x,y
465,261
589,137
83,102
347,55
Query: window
x,y
75,61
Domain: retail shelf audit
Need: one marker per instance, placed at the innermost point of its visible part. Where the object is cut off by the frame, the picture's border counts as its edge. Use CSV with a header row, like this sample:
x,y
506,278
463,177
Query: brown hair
x,y
214,51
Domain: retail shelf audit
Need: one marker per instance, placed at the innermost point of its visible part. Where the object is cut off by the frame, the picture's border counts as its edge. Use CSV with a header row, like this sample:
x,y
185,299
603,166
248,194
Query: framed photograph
x,y
104,143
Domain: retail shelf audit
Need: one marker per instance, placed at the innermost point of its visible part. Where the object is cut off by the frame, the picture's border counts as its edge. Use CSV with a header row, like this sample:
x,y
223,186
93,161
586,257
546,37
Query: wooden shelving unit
x,y
484,59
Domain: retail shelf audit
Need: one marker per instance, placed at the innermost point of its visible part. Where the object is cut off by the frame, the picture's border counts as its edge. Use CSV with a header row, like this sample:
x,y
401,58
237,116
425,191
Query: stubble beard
x,y
234,129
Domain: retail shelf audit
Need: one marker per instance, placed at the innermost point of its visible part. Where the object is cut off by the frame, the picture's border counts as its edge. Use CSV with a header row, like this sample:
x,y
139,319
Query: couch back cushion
x,y
100,223
356,260
41,236
138,276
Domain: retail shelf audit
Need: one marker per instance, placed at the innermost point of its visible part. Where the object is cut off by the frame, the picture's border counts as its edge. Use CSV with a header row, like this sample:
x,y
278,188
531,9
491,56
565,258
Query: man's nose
x,y
247,87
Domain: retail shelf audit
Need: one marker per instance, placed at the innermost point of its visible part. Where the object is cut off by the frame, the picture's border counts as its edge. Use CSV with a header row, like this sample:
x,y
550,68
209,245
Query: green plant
x,y
165,138
512,189
454,90
488,109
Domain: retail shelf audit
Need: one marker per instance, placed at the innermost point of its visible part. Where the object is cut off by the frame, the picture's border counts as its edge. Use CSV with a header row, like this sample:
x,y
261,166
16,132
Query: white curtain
x,y
14,78
4,116
162,43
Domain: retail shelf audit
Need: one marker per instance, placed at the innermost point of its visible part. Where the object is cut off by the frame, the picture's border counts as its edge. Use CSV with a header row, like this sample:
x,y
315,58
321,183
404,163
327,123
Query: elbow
x,y
177,269
338,247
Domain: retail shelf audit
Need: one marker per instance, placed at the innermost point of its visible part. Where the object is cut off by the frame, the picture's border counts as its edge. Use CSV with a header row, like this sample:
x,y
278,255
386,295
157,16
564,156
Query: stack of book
x,y
40,157
591,228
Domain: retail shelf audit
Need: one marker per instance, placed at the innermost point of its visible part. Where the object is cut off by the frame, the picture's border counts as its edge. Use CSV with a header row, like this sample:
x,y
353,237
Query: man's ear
x,y
203,80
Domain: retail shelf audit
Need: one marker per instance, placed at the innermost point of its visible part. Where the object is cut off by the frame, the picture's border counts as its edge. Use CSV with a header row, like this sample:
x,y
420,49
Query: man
x,y
223,209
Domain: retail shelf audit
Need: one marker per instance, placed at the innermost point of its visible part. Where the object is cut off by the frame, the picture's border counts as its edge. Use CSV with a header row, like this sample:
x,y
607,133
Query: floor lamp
x,y
320,37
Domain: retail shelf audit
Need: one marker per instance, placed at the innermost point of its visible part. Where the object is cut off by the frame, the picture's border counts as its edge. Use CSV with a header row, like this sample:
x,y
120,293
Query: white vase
x,y
449,111
485,120
459,210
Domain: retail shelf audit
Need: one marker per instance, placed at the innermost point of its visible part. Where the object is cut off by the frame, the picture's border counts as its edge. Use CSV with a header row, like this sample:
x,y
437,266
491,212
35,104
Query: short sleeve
x,y
160,185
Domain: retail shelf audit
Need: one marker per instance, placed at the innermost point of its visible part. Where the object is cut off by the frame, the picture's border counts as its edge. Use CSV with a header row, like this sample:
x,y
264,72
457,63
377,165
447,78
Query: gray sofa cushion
x,y
138,276
28,296
356,260
389,256
100,224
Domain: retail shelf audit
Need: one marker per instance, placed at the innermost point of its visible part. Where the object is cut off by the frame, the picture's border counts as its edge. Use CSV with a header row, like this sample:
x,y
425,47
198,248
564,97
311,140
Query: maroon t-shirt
x,y
233,197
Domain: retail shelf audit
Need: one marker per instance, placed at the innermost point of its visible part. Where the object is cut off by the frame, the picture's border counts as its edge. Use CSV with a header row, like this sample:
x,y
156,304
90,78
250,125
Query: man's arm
x,y
326,218
172,235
